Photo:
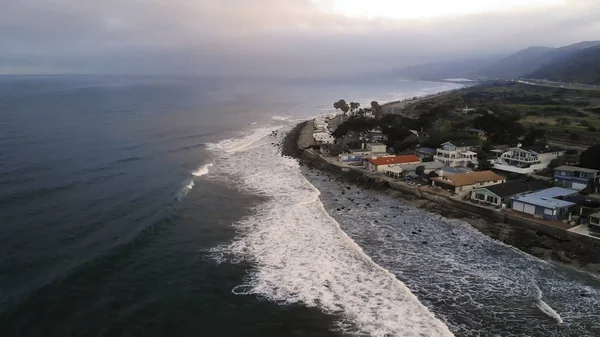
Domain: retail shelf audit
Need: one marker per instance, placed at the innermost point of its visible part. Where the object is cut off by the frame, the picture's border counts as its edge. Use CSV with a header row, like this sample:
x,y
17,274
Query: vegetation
x,y
582,67
590,158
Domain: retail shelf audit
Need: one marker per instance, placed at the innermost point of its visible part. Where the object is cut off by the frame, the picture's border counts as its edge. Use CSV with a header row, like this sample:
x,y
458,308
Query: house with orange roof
x,y
382,163
465,182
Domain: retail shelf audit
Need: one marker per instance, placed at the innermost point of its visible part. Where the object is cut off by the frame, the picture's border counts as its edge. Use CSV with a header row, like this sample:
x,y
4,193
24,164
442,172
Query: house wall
x,y
383,168
485,196
347,158
467,188
518,170
376,148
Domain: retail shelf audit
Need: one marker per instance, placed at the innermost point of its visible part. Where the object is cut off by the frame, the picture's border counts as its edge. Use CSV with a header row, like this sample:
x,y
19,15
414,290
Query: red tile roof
x,y
395,160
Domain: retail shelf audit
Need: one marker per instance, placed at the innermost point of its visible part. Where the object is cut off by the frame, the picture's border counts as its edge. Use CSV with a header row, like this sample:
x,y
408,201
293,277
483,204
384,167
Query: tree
x,y
377,111
420,170
590,158
556,162
354,106
484,164
533,136
341,105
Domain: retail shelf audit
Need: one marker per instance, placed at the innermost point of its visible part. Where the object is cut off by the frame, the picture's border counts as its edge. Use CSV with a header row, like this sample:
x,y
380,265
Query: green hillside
x,y
582,67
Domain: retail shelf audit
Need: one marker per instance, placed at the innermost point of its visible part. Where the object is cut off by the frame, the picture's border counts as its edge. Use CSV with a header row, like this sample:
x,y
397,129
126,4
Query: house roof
x,y
463,143
426,150
470,178
474,130
553,192
395,160
453,170
595,215
428,166
542,149
515,187
546,198
576,169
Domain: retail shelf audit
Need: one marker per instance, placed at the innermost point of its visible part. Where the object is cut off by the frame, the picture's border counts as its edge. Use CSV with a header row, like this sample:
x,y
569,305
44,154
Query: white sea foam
x,y
202,170
302,256
281,118
544,307
234,145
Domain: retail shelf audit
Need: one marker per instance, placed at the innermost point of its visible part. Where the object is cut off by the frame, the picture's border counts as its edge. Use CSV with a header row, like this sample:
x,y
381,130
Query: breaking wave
x,y
202,170
300,253
545,308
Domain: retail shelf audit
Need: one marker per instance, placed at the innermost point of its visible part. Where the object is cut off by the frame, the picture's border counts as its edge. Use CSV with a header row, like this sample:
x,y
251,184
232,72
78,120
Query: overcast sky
x,y
276,37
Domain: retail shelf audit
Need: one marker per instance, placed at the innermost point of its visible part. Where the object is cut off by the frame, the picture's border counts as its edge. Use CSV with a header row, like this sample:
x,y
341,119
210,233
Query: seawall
x,y
535,238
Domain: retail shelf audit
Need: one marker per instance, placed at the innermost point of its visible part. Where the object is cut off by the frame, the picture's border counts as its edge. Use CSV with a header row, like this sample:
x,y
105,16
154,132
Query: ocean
x,y
161,206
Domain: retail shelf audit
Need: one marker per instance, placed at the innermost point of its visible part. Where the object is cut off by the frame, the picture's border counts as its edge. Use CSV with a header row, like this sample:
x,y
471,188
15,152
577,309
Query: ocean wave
x,y
302,256
202,170
248,141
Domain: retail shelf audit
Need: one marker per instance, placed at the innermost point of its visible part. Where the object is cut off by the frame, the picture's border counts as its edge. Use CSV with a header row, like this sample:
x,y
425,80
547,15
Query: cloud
x,y
255,37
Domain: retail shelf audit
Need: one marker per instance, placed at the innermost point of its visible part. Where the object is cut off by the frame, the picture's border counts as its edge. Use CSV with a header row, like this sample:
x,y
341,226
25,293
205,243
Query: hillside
x,y
442,70
582,67
522,62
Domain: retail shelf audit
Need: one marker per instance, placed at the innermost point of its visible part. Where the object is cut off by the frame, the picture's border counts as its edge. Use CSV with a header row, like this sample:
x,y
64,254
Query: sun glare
x,y
421,9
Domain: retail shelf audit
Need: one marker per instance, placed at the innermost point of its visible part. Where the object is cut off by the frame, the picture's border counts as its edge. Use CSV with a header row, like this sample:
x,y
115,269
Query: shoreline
x,y
550,244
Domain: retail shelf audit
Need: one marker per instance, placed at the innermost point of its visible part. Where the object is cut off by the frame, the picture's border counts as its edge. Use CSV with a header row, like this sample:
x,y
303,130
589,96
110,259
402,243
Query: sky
x,y
283,38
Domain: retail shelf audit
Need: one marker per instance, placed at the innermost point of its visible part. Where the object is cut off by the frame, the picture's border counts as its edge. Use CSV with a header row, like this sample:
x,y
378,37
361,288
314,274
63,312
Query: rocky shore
x,y
559,246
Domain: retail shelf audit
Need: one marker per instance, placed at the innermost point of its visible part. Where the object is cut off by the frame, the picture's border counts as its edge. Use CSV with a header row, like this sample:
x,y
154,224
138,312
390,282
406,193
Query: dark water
x,y
104,231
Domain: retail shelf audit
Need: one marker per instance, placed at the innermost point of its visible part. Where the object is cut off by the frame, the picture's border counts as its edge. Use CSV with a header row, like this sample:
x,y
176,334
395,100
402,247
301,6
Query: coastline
x,y
547,243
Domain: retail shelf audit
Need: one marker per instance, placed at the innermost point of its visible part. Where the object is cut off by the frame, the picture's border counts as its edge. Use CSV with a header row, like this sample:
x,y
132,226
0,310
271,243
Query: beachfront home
x,y
500,195
577,178
369,150
465,182
353,156
594,224
323,138
376,147
527,159
458,153
382,163
545,204
425,153
400,170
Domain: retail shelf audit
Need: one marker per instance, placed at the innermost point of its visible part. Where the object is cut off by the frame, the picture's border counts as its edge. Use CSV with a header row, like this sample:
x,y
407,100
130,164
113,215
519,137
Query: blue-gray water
x,y
109,225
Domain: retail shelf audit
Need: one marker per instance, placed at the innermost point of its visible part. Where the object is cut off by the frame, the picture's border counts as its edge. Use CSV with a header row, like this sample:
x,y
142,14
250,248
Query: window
x,y
492,200
480,196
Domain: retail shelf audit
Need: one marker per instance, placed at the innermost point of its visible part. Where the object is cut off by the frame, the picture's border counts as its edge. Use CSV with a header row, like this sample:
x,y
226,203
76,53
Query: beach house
x,y
500,195
577,178
382,163
465,182
545,204
458,153
527,159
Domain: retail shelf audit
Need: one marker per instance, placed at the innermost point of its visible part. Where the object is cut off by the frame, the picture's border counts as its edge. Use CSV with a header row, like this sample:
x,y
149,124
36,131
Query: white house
x,y
323,138
457,154
376,147
525,160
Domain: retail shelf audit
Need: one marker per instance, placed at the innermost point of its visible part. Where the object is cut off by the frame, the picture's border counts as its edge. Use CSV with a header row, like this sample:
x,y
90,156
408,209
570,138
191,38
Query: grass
x,y
543,107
